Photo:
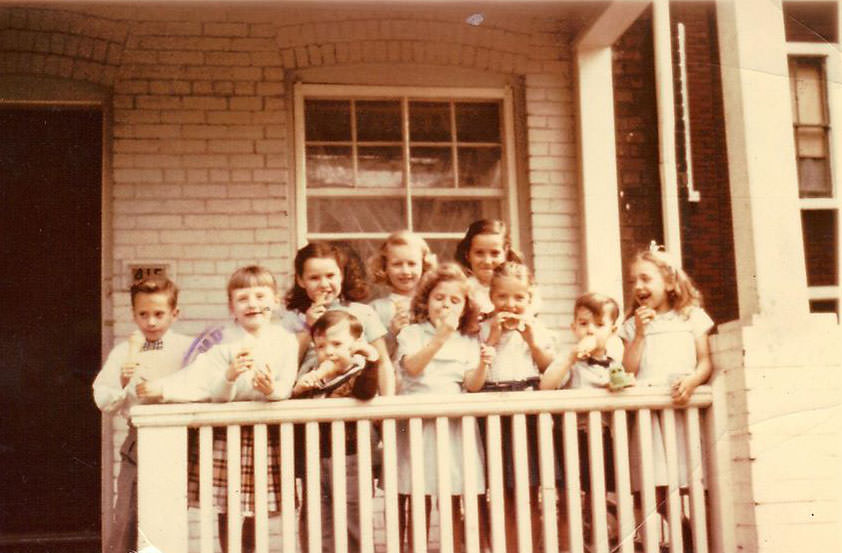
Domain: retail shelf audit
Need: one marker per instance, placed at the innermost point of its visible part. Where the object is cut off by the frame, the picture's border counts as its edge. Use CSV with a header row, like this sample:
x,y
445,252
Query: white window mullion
x,y
454,146
407,165
355,164
508,152
300,169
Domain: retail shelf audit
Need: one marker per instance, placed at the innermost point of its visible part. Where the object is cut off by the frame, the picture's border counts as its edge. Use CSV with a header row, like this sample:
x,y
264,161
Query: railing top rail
x,y
402,407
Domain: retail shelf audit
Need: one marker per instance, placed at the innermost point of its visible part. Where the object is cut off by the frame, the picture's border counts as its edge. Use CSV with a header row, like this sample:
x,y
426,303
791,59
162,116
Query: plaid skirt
x,y
220,471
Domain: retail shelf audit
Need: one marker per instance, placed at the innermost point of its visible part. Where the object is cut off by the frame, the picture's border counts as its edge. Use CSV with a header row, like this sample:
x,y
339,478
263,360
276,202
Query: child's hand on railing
x,y
149,390
682,389
262,380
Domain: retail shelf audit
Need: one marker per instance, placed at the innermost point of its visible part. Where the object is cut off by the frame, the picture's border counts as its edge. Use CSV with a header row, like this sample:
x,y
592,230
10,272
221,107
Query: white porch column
x,y
771,274
781,364
598,155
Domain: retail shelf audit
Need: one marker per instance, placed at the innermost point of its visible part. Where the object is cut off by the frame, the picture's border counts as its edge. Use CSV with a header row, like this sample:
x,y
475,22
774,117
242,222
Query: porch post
x,y
771,274
162,488
780,363
597,150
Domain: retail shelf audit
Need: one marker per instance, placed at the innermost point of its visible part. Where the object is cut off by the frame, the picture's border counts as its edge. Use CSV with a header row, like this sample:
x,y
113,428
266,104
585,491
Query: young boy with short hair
x,y
588,364
151,351
340,348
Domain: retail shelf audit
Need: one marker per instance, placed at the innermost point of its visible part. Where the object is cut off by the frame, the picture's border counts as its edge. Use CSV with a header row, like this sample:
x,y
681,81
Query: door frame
x,y
32,92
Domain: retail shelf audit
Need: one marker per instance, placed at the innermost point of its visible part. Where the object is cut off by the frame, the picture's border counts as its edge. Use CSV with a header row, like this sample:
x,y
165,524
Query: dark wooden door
x,y
50,281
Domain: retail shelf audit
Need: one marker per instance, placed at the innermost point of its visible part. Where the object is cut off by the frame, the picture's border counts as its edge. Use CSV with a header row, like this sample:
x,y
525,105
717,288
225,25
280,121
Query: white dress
x,y
443,375
513,358
385,309
669,351
481,295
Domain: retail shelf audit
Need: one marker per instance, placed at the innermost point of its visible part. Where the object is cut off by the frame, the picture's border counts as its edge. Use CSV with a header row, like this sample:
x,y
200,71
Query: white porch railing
x,y
163,458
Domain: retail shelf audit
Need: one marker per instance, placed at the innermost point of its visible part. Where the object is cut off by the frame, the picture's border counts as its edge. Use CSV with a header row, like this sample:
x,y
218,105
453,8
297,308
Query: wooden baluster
x,y
390,486
288,522
365,486
622,482
235,519
548,483
494,458
695,467
571,477
207,513
338,487
470,461
651,518
597,493
313,488
444,487
670,430
261,489
523,518
416,455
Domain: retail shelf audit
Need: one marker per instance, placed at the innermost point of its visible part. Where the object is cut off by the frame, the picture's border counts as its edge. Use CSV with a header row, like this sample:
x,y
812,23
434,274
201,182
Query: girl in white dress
x,y
666,339
403,258
440,354
486,245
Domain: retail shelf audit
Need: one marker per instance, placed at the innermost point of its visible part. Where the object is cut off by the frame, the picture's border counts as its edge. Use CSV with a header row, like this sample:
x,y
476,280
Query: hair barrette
x,y
654,247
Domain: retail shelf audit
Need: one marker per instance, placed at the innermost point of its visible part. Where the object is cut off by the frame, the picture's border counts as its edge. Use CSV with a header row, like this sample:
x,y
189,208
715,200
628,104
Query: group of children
x,y
444,328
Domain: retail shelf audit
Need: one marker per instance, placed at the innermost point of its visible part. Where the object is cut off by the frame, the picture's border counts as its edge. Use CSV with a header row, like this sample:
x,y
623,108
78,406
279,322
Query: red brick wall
x,y
706,229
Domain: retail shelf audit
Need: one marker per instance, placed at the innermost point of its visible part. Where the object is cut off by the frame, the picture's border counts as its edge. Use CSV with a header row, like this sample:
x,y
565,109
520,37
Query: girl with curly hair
x,y
328,277
400,262
440,353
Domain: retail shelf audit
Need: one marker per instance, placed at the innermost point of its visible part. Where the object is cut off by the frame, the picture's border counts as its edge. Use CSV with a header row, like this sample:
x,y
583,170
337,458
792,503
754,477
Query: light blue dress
x,y
669,350
443,375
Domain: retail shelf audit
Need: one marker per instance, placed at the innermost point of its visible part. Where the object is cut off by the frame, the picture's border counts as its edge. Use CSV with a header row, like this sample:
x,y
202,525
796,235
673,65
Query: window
x,y
809,115
819,195
372,160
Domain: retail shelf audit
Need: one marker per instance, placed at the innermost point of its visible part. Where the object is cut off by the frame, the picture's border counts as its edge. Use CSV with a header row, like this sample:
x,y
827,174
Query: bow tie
x,y
601,362
157,344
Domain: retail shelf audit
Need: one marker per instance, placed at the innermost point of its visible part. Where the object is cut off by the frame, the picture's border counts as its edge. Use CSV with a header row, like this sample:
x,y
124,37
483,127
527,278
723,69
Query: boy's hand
x,y
365,349
486,355
127,371
243,362
149,390
642,316
585,346
262,380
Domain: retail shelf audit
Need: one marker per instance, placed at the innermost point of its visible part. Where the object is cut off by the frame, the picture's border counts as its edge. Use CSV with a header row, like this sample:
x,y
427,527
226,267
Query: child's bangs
x,y
249,277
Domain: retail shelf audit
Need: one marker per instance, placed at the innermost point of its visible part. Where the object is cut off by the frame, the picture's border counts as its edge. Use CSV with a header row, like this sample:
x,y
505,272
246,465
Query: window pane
x,y
445,250
329,166
449,215
327,120
814,178
429,122
824,306
479,167
478,122
809,90
820,246
812,141
380,166
431,166
355,214
378,120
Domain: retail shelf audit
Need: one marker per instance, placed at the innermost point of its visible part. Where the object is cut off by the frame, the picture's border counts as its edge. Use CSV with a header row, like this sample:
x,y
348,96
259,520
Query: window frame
x,y
508,190
832,64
